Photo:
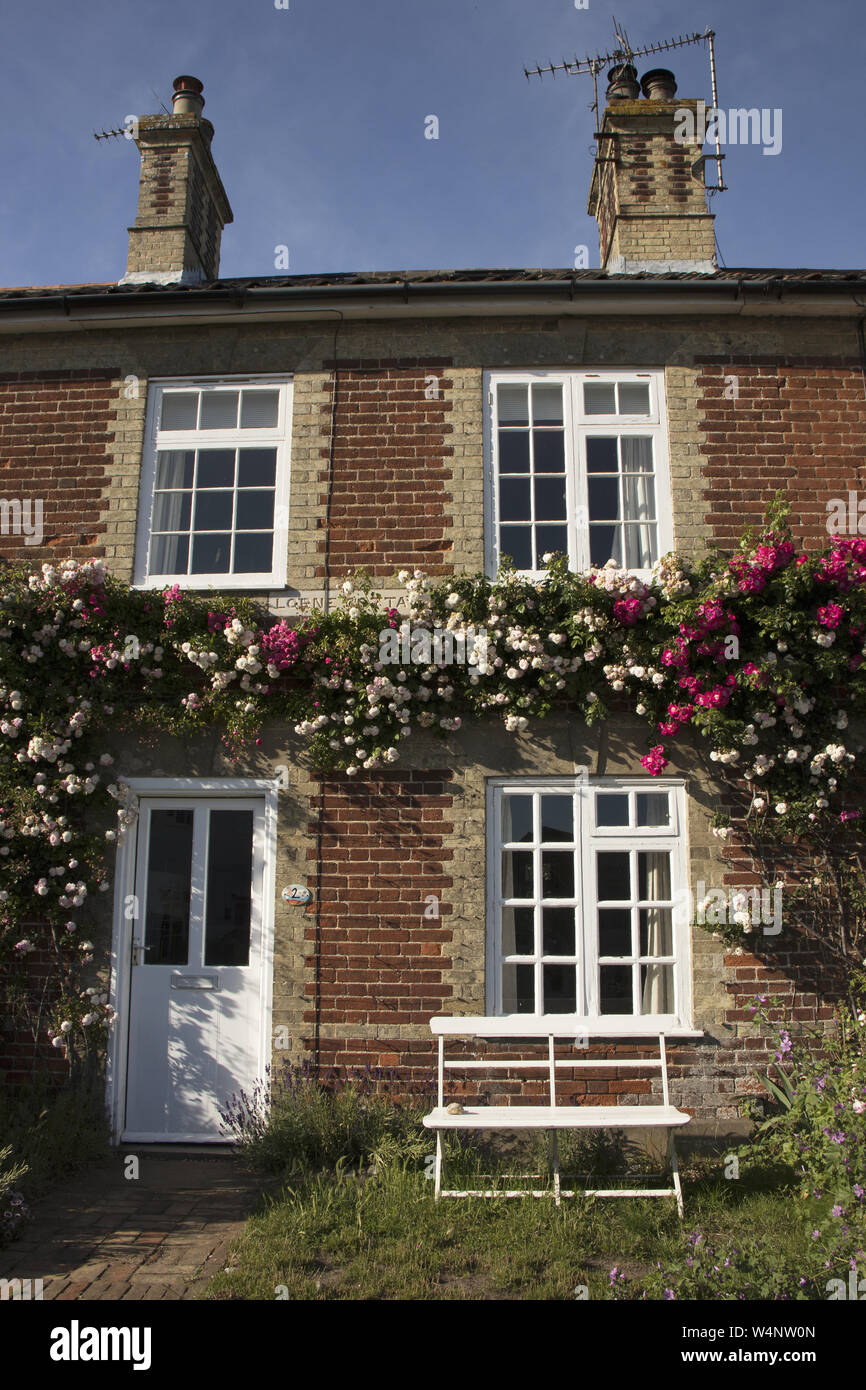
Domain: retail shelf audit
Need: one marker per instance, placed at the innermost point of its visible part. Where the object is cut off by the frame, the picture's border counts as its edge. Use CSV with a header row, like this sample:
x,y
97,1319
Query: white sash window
x,y
577,462
588,899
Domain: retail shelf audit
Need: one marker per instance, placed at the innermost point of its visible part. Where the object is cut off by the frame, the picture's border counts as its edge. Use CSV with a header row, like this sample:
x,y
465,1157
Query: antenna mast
x,y
623,53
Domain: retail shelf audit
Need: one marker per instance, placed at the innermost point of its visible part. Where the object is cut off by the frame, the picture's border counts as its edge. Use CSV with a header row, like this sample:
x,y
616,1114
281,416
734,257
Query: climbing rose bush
x,y
760,654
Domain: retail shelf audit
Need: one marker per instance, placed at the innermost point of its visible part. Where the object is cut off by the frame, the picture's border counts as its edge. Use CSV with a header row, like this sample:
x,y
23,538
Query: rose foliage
x,y
760,654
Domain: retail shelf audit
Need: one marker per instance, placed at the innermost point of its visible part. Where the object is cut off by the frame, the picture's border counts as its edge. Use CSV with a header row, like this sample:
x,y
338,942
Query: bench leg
x,y
438,1170
675,1172
554,1154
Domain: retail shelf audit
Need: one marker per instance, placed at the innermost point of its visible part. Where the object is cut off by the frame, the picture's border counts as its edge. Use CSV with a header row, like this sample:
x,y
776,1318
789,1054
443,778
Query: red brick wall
x,y
798,424
382,961
388,496
55,428
23,1056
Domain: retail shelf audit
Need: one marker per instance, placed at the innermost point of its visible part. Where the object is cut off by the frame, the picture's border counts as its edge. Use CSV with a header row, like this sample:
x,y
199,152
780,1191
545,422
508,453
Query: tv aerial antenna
x,y
623,53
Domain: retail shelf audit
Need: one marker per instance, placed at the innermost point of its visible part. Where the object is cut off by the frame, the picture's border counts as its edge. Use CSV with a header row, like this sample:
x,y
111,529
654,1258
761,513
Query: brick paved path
x,y
163,1235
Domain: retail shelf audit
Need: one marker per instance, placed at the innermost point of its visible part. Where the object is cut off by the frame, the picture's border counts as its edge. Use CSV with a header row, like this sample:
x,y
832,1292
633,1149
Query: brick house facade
x,y
387,383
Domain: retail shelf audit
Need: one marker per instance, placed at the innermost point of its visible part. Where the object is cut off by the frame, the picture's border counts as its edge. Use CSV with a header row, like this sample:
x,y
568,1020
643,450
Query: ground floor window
x,y
588,899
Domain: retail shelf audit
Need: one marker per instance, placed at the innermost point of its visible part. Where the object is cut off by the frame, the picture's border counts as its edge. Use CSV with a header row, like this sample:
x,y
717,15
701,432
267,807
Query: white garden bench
x,y
552,1117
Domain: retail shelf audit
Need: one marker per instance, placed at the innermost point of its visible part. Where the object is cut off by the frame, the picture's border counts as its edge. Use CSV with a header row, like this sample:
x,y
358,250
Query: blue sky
x,y
320,114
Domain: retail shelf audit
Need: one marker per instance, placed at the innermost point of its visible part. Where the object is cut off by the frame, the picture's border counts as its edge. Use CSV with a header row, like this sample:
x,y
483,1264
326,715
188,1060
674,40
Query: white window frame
x,y
577,427
278,437
183,791
674,836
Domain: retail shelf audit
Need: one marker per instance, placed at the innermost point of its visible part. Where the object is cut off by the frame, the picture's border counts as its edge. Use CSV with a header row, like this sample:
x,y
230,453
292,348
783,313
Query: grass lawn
x,y
350,1235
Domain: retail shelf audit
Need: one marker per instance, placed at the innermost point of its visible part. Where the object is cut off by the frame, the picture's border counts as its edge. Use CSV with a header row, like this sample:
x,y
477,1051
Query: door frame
x,y
184,789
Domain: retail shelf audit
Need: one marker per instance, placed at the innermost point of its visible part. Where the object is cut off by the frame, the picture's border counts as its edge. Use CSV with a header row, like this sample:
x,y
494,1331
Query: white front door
x,y
195,1003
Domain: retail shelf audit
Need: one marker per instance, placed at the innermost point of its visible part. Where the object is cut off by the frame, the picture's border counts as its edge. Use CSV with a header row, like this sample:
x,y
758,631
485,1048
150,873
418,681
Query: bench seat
x,y
557,1117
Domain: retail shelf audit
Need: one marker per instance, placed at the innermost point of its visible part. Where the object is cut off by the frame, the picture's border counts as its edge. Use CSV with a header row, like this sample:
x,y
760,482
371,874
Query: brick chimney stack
x,y
647,192
182,205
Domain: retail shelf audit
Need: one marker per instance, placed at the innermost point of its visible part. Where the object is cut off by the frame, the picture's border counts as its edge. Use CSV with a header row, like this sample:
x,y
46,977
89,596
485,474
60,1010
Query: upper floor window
x,y
214,484
577,462
588,902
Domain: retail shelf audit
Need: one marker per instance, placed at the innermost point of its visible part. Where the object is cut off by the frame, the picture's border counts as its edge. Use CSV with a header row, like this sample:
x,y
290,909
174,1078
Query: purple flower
x,y
837,1210
668,1294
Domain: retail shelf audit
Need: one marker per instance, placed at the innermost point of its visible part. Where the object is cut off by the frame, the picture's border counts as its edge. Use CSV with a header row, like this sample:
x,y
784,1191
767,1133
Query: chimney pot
x,y
659,85
622,83
187,99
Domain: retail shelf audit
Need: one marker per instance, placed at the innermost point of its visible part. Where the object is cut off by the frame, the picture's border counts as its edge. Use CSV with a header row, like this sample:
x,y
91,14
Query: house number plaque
x,y
296,893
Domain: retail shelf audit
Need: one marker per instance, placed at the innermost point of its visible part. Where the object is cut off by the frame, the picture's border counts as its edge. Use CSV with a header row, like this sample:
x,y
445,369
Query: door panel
x,y
196,977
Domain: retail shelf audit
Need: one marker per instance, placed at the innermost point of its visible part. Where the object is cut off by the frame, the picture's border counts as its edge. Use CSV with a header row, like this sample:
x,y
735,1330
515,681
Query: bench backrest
x,y
548,1030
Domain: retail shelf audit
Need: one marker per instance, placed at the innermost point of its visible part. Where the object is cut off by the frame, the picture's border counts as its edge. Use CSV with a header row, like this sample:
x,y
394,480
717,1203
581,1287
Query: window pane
x,y
557,818
557,874
514,499
615,989
169,879
550,539
641,546
253,553
549,451
603,499
614,877
518,931
179,410
213,510
604,545
513,452
557,928
657,989
599,398
547,405
654,876
611,808
257,467
550,499
614,931
636,451
516,541
171,511
652,808
169,554
517,876
216,468
601,454
255,511
259,409
639,497
560,989
219,410
516,819
513,405
229,888
634,398
656,931
211,554
174,468
518,989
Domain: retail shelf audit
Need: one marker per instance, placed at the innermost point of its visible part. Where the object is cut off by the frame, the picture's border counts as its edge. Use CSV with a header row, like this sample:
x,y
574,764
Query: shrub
x,y
53,1130
300,1120
13,1208
818,1126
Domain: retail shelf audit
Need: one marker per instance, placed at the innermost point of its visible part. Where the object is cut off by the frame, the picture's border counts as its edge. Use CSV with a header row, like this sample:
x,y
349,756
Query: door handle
x,y
138,950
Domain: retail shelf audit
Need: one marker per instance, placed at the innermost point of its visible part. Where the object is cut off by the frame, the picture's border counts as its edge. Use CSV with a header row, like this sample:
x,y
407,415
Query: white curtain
x,y
638,502
657,995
